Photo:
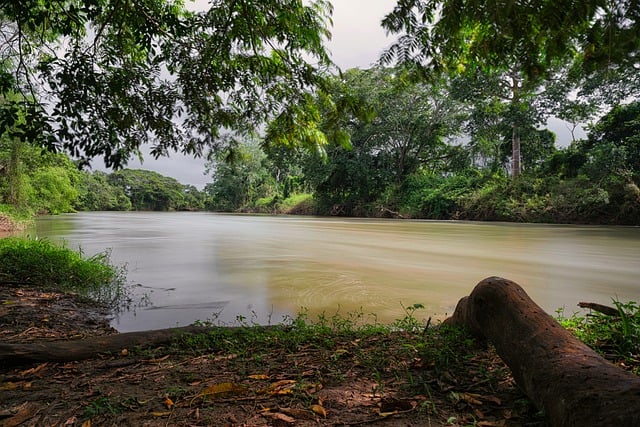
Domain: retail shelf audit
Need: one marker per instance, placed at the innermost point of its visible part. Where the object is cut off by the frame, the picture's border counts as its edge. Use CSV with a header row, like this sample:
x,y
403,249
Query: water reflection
x,y
207,266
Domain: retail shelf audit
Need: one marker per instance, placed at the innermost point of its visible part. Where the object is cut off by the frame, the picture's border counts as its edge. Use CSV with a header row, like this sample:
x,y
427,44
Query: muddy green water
x,y
203,266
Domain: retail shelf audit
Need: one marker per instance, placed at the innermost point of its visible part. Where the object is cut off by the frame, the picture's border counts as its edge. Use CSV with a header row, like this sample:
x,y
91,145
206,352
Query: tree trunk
x,y
67,351
569,381
515,152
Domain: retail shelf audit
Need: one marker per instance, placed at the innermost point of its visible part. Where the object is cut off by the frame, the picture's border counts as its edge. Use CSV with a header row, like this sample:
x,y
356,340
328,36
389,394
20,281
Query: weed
x,y
379,387
101,406
615,337
176,392
409,322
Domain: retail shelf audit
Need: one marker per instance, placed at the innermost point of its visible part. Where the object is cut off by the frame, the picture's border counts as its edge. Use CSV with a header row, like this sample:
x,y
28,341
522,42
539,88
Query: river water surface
x,y
205,266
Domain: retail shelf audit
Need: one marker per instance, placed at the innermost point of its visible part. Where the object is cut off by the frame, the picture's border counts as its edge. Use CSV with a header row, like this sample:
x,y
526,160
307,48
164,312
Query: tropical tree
x,y
95,193
13,186
239,181
614,142
103,77
54,190
148,190
35,181
519,42
407,130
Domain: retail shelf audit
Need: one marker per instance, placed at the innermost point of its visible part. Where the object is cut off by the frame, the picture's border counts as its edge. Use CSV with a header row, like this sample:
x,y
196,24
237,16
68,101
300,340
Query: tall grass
x,y
44,265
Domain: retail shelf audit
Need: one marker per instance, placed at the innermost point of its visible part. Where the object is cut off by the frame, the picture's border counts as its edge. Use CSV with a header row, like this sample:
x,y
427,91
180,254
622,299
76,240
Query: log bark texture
x,y
566,379
67,351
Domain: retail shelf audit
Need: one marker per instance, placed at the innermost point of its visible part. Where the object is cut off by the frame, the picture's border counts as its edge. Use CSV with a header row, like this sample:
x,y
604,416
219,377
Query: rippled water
x,y
202,266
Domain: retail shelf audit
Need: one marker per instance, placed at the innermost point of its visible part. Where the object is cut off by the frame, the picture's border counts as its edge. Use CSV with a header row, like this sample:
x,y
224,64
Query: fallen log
x,y
72,350
563,377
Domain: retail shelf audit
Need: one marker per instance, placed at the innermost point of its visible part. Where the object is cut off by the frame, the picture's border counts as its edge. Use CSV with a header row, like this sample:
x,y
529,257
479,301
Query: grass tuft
x,y
41,264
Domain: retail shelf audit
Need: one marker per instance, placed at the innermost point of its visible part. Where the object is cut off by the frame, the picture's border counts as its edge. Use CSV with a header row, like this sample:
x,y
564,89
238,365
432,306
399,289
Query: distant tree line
x,y
136,189
49,183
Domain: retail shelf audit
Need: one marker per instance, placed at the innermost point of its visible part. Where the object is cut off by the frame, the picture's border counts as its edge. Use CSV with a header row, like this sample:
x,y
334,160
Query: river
x,y
224,268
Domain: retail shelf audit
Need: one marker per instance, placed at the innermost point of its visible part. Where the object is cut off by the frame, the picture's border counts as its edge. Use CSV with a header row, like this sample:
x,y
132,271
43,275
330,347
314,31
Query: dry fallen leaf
x,y
259,377
34,371
225,357
313,388
279,387
281,417
301,414
21,414
8,386
319,409
493,399
70,422
167,401
158,360
470,398
86,423
223,390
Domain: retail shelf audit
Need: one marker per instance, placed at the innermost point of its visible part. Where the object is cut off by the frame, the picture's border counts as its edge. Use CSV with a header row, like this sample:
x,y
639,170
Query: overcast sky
x,y
357,41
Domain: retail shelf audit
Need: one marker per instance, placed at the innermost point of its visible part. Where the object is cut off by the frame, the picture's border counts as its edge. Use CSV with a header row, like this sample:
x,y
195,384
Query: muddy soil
x,y
307,386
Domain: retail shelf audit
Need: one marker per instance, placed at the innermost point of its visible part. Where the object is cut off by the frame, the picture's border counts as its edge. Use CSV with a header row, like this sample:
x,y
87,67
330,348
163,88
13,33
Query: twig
x,y
604,309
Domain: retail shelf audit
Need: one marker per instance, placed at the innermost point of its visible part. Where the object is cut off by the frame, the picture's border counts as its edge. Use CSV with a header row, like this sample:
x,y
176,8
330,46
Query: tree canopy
x,y
524,44
456,34
99,78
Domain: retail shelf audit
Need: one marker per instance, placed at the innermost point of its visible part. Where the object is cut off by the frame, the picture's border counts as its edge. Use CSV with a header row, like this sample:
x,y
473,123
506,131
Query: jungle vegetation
x,y
451,124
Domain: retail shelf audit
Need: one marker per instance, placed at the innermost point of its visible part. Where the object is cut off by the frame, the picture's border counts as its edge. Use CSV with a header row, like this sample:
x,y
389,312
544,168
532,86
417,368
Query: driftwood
x,y
569,381
604,309
71,350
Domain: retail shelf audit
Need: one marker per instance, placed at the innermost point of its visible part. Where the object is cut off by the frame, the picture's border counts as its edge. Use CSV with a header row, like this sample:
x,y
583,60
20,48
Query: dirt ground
x,y
310,386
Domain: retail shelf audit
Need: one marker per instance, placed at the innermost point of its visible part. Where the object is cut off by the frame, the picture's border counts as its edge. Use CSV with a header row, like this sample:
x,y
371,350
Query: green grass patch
x,y
44,265
298,204
341,338
615,337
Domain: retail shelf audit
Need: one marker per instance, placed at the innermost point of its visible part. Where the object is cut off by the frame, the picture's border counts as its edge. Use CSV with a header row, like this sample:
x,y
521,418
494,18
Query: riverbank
x,y
11,224
324,374
6,224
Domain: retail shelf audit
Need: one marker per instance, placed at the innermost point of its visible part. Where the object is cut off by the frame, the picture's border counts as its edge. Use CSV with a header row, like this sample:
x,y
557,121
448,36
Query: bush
x,y
436,197
43,265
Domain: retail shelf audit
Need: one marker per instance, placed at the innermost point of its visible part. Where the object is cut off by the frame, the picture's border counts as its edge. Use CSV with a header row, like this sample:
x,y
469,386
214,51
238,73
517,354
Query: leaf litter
x,y
377,380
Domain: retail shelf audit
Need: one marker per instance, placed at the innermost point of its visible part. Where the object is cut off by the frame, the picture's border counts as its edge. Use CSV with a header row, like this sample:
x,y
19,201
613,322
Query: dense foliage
x,y
407,158
526,47
37,181
454,126
98,78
